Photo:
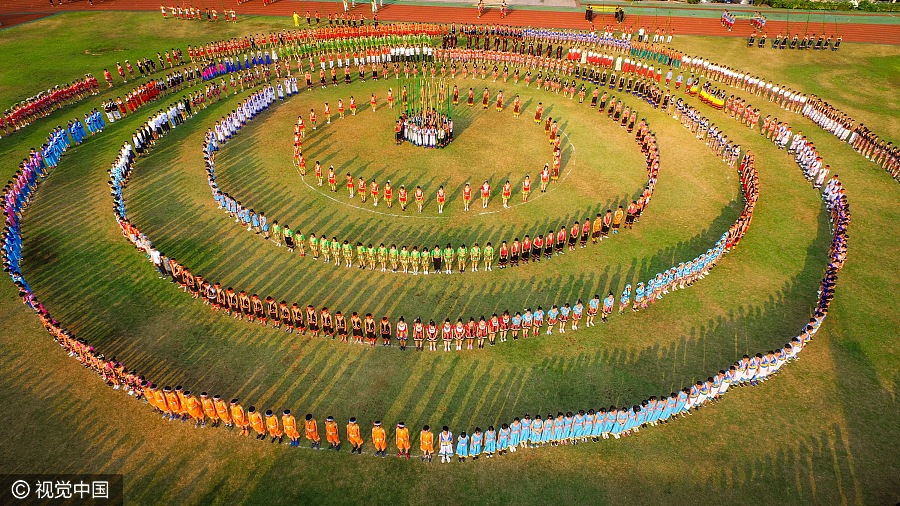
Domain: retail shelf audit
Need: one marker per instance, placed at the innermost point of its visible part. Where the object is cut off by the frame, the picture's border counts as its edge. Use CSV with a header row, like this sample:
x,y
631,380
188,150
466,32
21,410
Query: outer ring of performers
x,y
564,429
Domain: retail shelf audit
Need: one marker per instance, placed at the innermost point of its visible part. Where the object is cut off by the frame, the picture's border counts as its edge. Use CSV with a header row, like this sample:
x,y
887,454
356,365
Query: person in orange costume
x,y
312,432
402,438
426,443
173,407
290,427
209,408
161,404
379,439
274,427
150,395
180,406
256,421
239,417
194,408
222,411
331,433
354,436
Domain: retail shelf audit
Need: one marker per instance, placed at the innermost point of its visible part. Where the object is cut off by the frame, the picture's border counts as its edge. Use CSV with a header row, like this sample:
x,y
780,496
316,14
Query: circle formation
x,y
571,427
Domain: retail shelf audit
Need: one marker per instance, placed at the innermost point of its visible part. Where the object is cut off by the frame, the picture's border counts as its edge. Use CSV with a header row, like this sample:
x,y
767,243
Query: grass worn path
x,y
823,431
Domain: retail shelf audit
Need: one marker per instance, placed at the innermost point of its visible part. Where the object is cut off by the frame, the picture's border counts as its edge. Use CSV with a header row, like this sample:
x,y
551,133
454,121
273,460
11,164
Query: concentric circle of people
x,y
570,428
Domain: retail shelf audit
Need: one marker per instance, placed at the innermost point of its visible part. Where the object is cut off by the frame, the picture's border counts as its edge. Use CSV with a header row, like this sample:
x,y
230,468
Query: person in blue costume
x,y
490,441
578,426
568,428
462,447
537,429
515,431
475,443
525,431
503,439
558,428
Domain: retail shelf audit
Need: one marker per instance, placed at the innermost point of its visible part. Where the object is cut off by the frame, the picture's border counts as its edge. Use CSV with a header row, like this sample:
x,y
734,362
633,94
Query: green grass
x,y
823,431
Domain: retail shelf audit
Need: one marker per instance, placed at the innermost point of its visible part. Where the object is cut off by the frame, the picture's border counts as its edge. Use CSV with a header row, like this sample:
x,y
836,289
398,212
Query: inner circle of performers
x,y
430,129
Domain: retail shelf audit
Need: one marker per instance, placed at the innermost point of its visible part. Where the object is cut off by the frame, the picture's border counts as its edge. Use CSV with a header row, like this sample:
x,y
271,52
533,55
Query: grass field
x,y
822,432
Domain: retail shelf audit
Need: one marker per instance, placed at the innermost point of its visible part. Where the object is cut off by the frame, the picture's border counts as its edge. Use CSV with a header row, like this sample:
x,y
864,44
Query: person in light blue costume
x,y
558,427
644,415
681,402
619,424
578,426
525,431
564,312
462,447
597,427
609,421
593,309
568,428
639,293
503,439
490,441
515,432
668,407
633,419
655,410
629,420
608,302
577,311
264,225
649,295
516,325
254,221
547,435
475,443
537,431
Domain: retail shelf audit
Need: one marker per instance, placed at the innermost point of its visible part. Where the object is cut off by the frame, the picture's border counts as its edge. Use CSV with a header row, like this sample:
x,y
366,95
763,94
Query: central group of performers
x,y
430,129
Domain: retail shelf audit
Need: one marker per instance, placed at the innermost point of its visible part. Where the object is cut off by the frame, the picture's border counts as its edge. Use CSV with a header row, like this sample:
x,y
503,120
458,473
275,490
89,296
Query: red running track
x,y
17,11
